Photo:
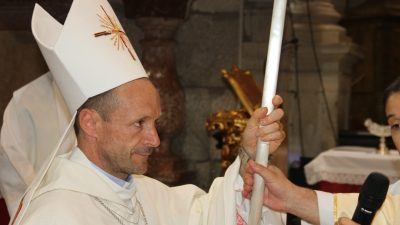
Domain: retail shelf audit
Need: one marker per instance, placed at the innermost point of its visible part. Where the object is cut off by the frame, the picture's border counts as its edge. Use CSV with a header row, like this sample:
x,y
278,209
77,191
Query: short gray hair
x,y
104,104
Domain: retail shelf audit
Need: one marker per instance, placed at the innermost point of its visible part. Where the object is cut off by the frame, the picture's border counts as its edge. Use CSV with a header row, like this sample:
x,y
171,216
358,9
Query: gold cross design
x,y
113,28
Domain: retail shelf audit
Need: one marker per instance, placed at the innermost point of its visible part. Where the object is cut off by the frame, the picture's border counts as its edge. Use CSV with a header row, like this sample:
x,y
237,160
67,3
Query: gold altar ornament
x,y
380,131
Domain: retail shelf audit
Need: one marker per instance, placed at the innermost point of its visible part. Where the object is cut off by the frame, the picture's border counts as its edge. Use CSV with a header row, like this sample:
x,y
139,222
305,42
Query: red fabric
x,y
338,188
4,218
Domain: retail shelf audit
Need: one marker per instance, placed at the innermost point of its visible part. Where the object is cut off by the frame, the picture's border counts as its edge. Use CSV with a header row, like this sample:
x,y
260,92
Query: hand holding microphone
x,y
346,221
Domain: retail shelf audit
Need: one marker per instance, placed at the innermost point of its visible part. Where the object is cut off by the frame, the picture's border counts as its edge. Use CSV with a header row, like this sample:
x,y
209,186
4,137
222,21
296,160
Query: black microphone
x,y
372,195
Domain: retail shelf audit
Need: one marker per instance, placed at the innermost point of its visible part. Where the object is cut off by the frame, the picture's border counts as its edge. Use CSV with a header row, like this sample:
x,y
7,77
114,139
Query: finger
x,y
277,100
246,193
248,179
248,169
261,113
346,221
274,116
248,185
270,128
267,173
271,132
247,189
257,168
257,115
274,136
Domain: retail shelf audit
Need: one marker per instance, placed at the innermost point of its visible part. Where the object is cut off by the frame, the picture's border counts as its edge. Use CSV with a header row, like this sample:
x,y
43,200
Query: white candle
x,y
269,91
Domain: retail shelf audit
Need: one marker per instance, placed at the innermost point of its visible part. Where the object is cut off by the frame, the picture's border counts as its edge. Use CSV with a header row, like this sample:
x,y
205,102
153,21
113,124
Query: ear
x,y
89,121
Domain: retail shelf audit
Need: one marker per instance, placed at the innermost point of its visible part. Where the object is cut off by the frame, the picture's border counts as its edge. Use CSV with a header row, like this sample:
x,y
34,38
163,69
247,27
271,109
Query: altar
x,y
345,168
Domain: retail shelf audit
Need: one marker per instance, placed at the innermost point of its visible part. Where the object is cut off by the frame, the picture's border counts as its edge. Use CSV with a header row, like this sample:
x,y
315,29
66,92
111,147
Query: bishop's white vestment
x,y
33,122
74,192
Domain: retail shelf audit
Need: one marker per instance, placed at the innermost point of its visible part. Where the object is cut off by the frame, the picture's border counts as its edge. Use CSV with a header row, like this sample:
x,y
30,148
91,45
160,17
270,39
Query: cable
x,y
317,64
295,41
240,40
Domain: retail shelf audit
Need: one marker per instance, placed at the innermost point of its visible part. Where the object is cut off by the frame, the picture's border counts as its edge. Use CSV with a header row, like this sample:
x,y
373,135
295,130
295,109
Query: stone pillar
x,y
335,55
158,59
159,21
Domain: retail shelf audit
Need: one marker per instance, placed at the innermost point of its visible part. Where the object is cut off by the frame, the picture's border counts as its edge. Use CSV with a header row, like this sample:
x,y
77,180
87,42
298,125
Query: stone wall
x,y
20,62
206,42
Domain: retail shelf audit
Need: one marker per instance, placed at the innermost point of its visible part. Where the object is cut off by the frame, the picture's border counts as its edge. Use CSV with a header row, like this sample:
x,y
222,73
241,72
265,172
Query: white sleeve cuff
x,y
325,208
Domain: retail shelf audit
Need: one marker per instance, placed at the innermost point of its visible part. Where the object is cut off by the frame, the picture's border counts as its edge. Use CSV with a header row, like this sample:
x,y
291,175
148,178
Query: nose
x,y
152,139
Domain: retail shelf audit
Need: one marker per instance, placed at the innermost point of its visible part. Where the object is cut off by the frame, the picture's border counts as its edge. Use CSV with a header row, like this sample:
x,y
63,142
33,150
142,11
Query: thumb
x,y
260,169
346,221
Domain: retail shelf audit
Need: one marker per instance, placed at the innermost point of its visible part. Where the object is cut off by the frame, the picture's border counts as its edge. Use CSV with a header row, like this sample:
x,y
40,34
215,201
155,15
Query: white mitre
x,y
88,55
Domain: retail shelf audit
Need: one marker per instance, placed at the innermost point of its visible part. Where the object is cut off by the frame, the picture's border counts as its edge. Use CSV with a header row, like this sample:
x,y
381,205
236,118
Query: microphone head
x,y
373,192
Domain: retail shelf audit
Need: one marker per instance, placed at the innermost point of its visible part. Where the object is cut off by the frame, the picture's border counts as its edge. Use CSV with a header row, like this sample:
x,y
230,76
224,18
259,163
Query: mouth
x,y
143,151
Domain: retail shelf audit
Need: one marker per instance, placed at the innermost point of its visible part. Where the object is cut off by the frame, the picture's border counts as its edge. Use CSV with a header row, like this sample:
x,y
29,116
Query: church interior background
x,y
337,57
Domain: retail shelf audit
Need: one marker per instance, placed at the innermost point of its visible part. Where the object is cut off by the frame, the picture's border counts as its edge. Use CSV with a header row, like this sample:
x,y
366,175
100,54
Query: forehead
x,y
139,97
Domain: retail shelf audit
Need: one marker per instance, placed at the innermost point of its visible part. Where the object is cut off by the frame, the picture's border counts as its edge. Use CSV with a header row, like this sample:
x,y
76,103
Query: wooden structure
x,y
229,125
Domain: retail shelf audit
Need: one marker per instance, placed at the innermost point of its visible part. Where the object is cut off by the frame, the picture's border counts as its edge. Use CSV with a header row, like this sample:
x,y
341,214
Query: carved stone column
x,y
335,57
159,61
159,21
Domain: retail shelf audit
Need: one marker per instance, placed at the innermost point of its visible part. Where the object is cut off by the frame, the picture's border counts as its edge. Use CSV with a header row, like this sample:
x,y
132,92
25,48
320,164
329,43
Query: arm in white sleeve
x,y
16,170
325,208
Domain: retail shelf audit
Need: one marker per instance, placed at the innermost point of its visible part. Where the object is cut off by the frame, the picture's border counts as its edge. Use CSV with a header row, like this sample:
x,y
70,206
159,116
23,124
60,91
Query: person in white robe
x,y
115,108
324,208
33,121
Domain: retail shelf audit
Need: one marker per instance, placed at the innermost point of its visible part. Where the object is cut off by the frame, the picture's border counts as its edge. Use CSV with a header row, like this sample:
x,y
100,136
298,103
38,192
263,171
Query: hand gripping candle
x,y
269,91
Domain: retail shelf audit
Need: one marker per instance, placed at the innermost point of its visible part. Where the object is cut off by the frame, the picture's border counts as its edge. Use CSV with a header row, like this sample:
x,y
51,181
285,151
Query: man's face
x,y
393,117
128,138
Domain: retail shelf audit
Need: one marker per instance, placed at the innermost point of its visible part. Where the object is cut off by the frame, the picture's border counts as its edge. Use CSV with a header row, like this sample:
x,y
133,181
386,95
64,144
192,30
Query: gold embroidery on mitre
x,y
113,28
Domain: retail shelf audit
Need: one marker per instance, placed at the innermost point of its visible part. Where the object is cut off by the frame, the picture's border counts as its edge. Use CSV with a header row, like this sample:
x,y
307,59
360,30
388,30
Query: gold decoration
x,y
381,131
113,28
231,125
245,87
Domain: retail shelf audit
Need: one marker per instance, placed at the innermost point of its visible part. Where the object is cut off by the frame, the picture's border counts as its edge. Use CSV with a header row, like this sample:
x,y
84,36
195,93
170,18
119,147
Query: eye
x,y
157,123
395,127
139,123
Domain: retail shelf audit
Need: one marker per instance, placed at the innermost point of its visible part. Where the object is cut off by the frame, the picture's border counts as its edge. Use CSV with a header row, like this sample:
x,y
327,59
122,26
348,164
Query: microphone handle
x,y
363,216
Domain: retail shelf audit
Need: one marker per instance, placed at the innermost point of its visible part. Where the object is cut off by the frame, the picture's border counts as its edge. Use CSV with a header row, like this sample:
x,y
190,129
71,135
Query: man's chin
x,y
141,172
